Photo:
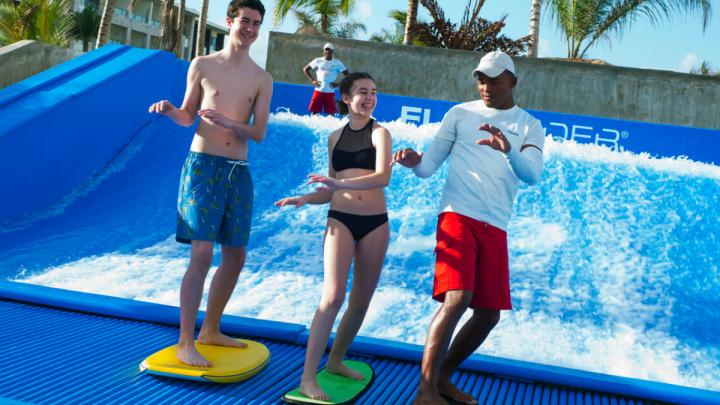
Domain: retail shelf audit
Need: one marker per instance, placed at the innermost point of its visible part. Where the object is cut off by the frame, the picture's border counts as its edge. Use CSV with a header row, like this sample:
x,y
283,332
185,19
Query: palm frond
x,y
348,29
283,7
588,22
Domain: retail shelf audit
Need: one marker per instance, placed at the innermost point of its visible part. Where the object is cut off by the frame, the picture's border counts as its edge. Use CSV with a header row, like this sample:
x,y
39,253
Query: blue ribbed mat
x,y
54,356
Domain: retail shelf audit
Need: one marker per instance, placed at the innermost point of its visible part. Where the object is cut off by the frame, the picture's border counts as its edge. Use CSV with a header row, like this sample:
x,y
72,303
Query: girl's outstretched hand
x,y
296,201
330,183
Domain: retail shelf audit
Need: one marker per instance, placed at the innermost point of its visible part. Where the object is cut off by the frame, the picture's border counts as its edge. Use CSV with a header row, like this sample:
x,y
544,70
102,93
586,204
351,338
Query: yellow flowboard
x,y
230,364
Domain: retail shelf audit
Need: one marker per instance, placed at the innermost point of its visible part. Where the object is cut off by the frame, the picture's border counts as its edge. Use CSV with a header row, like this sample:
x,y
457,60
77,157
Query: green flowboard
x,y
341,390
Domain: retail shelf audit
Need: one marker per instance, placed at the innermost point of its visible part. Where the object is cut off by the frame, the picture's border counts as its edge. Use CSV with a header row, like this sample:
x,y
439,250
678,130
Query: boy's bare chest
x,y
230,94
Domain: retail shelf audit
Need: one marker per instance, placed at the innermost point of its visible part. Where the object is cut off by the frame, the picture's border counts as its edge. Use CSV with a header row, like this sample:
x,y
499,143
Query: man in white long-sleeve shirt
x,y
492,145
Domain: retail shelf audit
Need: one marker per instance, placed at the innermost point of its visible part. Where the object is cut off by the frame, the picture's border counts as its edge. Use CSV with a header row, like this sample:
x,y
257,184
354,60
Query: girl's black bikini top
x,y
354,149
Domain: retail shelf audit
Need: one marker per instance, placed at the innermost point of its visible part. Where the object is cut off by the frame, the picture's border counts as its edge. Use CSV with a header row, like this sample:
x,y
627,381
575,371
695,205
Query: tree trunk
x,y
167,27
86,45
411,20
180,29
107,16
534,28
200,46
324,24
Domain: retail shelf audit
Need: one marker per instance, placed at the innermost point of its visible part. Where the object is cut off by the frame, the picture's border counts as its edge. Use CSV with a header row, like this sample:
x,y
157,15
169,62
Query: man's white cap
x,y
493,64
329,46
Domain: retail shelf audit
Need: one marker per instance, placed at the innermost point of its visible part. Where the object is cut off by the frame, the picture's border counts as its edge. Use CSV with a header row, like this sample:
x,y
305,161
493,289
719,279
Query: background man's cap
x,y
329,46
493,64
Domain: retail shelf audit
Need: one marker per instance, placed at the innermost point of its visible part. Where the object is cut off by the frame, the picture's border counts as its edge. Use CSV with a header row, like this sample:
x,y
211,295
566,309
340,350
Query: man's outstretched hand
x,y
407,157
497,140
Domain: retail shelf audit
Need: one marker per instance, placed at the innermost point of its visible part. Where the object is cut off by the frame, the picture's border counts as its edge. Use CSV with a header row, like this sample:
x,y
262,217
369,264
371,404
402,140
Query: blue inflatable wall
x,y
701,145
59,127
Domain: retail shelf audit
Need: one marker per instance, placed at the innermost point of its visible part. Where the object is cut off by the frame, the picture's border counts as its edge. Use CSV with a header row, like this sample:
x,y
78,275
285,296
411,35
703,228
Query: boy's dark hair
x,y
236,5
346,88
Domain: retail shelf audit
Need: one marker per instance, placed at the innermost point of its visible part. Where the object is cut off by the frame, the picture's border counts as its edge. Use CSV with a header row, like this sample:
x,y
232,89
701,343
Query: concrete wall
x,y
23,59
545,85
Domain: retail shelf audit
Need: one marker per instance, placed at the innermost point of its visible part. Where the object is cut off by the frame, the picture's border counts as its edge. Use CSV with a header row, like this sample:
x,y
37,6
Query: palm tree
x,y
474,33
202,21
705,69
347,29
325,10
333,25
105,22
410,20
534,28
585,22
398,35
87,26
171,28
14,22
49,21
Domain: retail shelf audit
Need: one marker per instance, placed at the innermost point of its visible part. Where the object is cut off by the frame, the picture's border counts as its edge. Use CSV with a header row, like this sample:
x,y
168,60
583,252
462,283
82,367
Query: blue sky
x,y
675,45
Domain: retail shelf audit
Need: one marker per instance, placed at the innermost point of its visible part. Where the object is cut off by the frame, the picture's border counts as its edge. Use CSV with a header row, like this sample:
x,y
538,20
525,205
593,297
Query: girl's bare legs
x,y
338,253
369,257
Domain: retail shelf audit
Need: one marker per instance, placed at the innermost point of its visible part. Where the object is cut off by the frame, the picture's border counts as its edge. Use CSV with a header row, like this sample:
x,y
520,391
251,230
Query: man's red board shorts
x,y
472,255
320,100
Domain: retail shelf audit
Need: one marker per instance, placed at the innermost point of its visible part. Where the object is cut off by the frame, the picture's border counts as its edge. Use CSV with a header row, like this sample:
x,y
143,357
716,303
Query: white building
x,y
140,27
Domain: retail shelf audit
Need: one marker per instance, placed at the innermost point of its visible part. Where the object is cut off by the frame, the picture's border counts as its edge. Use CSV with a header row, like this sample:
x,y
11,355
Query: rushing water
x,y
613,256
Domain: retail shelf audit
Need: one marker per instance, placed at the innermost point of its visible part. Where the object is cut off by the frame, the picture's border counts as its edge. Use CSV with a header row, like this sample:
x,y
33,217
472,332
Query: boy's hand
x,y
162,107
215,117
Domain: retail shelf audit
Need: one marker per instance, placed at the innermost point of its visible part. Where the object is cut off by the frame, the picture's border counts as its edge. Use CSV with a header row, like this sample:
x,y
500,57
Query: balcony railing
x,y
88,3
112,41
120,11
139,18
155,23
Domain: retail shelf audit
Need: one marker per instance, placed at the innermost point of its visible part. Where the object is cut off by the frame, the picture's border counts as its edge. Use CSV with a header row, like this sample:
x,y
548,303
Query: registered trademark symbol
x,y
624,134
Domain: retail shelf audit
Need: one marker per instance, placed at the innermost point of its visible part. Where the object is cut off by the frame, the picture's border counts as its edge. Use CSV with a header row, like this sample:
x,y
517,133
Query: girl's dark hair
x,y
346,86
235,6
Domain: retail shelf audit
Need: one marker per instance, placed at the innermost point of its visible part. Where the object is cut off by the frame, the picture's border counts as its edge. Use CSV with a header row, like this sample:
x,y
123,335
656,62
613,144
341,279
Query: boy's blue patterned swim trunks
x,y
215,200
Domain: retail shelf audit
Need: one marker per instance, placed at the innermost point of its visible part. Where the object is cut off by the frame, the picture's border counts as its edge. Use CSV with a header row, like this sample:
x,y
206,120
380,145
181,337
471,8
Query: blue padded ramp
x,y
72,119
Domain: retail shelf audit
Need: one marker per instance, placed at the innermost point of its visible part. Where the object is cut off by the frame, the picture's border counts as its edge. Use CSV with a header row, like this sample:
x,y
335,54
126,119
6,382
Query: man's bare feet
x,y
342,369
218,339
190,356
445,387
428,397
311,389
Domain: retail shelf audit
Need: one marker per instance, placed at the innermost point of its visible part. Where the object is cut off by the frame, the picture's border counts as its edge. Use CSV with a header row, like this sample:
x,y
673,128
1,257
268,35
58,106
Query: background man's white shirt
x,y
327,72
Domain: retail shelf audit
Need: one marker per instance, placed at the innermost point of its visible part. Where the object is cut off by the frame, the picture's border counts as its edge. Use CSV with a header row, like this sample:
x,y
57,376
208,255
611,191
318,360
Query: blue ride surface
x,y
613,254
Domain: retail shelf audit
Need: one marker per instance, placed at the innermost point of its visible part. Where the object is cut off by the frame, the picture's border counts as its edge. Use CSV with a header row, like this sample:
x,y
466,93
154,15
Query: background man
x,y
327,71
492,145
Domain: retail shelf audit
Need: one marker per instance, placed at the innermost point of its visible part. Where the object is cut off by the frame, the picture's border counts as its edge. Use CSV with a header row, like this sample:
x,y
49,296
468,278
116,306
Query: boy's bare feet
x,y
342,369
311,389
190,356
218,339
445,387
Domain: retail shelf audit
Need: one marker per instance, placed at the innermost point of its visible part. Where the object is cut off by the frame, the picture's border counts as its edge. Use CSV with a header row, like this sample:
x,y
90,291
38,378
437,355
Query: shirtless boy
x,y
216,192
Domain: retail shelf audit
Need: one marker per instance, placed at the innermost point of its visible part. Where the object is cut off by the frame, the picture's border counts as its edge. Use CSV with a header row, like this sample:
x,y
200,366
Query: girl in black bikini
x,y
357,226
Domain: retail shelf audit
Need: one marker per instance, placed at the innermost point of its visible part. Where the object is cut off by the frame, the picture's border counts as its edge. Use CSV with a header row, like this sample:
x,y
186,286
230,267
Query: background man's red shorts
x,y
472,255
320,100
